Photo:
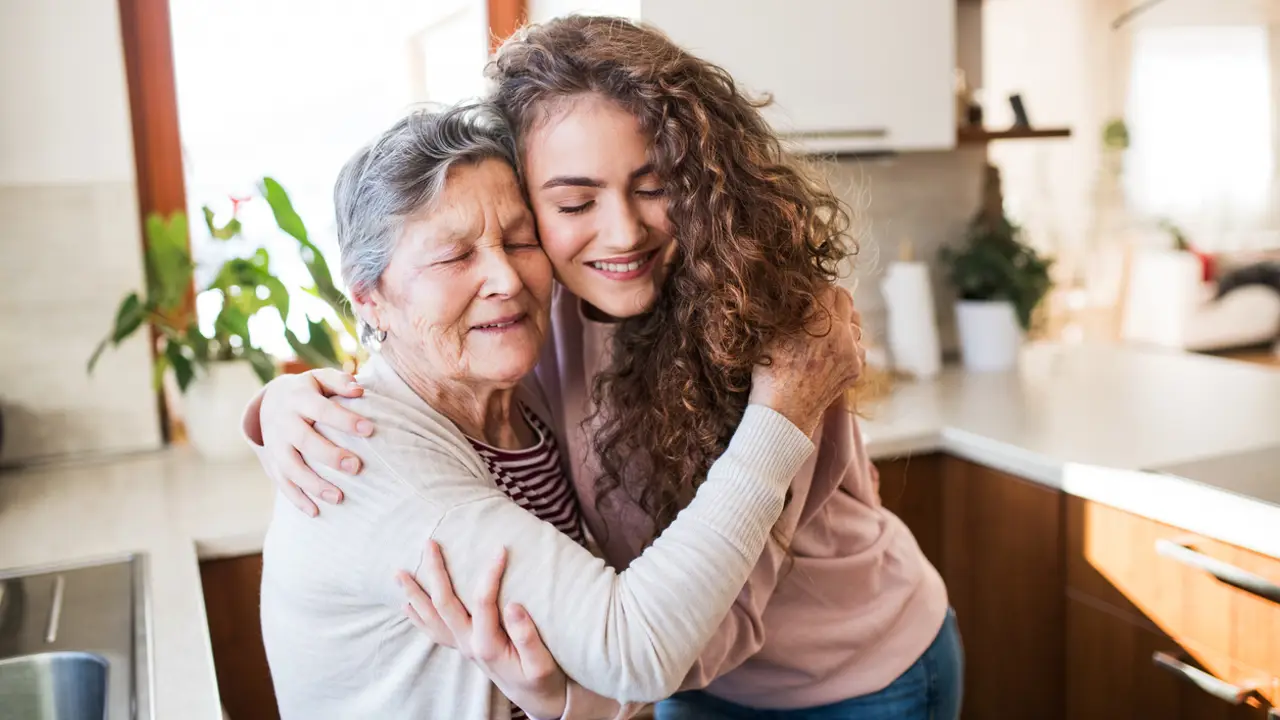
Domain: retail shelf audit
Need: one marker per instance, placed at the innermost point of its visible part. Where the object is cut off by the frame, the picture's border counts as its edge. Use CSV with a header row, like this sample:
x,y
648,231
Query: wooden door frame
x,y
505,17
157,146
153,105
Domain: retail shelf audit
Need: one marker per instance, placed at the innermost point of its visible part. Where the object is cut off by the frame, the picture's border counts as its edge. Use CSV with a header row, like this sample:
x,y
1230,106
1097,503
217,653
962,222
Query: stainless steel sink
x,y
73,642
54,686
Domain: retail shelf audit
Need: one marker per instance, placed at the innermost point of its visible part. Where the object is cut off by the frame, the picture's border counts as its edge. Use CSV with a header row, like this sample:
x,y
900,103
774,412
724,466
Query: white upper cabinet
x,y
845,75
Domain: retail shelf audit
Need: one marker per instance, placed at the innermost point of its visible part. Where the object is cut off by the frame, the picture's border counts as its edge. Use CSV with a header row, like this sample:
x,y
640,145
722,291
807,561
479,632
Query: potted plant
x,y
999,281
218,371
324,347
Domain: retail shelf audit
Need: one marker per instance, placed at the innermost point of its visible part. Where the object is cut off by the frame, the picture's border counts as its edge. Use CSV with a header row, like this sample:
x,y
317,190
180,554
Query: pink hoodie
x,y
851,609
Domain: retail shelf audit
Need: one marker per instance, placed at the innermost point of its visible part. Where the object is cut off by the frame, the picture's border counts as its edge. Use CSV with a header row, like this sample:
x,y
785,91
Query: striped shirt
x,y
534,478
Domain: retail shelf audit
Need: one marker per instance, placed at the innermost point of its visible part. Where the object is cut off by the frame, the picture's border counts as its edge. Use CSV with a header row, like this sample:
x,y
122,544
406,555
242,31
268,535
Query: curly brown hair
x,y
758,237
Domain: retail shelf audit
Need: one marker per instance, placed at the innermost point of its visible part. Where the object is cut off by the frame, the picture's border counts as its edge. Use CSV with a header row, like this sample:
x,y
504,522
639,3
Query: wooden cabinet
x,y
1111,675
1128,576
845,75
231,601
1002,560
911,488
1074,610
997,541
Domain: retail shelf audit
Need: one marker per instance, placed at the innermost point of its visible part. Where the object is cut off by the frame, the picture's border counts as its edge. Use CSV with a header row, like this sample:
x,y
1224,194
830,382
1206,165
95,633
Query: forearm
x,y
634,635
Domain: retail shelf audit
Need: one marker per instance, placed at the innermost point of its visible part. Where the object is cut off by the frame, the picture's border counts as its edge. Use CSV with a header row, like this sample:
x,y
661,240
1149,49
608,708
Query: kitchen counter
x,y
1091,421
171,506
1182,439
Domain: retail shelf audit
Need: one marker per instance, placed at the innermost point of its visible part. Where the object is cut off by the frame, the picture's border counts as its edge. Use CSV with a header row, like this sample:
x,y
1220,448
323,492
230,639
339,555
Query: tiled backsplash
x,y
70,253
926,199
70,243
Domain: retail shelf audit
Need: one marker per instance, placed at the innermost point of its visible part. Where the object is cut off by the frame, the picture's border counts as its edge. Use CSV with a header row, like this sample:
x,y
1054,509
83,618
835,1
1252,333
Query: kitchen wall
x,y
924,199
72,243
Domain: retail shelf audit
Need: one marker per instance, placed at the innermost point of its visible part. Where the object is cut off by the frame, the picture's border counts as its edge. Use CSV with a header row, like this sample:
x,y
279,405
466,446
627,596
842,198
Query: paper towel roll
x,y
912,325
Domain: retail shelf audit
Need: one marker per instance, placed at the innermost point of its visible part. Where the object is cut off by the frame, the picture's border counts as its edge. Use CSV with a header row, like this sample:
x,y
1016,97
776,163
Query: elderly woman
x,y
446,274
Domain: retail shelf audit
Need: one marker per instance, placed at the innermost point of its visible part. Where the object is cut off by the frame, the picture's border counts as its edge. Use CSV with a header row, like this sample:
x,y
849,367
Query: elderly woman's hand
x,y
291,405
807,374
514,658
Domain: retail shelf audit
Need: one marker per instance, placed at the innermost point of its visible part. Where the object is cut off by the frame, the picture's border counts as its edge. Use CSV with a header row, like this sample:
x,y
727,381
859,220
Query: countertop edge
x,y
1195,507
1253,524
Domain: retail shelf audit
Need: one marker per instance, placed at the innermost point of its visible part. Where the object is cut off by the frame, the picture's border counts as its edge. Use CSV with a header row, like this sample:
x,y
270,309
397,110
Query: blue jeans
x,y
930,689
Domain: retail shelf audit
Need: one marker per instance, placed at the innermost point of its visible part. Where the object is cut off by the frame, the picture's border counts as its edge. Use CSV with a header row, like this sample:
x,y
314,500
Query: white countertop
x,y
169,505
1086,420
1109,423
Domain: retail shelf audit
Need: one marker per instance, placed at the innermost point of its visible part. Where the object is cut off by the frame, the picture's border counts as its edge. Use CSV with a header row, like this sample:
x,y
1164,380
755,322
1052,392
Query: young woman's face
x,y
601,210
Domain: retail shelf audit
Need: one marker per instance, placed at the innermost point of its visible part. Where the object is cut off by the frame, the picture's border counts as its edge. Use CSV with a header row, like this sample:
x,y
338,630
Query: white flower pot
x,y
990,335
213,405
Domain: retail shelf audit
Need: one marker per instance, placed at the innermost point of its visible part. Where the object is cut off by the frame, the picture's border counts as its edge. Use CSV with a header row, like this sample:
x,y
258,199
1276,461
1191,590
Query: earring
x,y
380,335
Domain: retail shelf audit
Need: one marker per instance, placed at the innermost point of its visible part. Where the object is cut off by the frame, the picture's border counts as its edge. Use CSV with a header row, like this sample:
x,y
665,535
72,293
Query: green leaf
x,y
169,266
233,321
226,232
278,296
239,279
319,349
97,353
290,222
198,343
128,318
282,207
262,364
322,341
183,370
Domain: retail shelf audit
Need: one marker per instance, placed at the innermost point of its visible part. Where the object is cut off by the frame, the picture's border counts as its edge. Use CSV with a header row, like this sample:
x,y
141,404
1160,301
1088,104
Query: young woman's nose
x,y
623,229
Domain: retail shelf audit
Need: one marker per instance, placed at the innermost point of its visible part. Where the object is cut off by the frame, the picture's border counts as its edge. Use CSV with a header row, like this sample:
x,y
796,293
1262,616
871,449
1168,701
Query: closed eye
x,y
577,209
655,193
457,259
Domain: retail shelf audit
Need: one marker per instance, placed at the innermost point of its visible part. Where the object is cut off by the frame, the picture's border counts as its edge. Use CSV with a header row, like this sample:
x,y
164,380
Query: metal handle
x,y
1221,689
55,610
1226,572
866,133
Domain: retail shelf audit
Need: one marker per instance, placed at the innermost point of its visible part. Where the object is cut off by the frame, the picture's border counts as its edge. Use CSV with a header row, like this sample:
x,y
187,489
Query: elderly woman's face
x,y
466,295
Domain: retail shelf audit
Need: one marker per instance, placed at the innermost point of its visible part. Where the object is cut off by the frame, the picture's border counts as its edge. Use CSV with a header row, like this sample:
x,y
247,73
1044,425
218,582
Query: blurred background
x,y
1069,267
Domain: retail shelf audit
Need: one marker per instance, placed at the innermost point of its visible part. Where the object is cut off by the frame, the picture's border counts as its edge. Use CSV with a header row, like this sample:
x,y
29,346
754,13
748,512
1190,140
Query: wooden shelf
x,y
969,135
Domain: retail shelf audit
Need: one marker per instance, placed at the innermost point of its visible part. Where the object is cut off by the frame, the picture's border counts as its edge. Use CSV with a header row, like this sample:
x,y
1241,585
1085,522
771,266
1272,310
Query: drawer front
x,y
1168,580
1119,670
1256,637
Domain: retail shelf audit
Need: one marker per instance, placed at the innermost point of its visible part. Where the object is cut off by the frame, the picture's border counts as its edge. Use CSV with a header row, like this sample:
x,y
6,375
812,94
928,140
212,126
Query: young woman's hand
x,y
514,658
291,405
806,374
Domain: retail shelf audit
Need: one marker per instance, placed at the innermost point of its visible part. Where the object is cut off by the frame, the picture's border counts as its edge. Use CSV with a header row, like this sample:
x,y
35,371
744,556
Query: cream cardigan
x,y
336,638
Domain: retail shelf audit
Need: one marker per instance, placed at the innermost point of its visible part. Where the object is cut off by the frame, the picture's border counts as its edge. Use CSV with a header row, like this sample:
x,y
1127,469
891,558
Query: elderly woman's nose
x,y
500,274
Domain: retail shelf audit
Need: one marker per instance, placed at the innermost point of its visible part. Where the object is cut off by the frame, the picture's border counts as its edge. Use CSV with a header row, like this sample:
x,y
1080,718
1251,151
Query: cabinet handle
x,y
55,609
866,133
1221,689
1226,572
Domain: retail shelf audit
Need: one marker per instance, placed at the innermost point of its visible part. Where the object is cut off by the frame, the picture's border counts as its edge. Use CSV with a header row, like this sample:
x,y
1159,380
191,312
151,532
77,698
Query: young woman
x,y
685,241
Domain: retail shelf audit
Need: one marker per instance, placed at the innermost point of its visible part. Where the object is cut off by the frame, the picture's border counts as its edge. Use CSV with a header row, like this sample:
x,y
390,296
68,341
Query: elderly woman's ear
x,y
367,306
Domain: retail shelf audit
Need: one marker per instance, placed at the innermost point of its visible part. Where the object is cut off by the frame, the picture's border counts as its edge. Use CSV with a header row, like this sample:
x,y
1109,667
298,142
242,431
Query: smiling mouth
x,y
502,324
625,268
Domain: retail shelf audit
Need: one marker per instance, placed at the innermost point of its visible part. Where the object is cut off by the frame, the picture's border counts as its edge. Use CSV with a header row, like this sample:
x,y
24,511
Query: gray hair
x,y
401,172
